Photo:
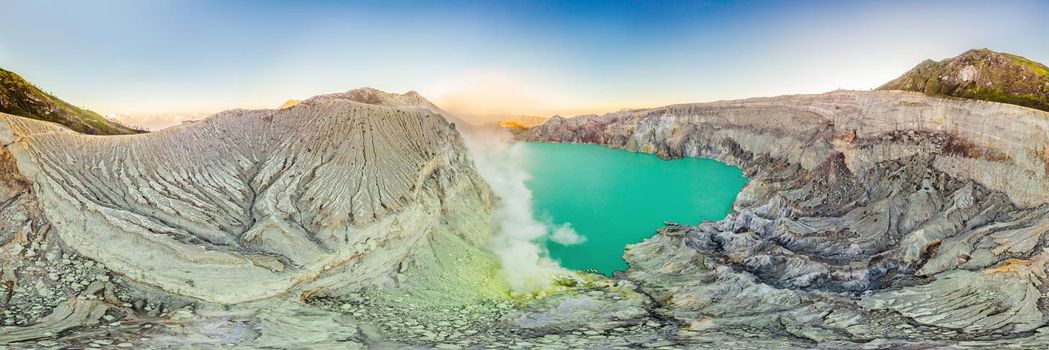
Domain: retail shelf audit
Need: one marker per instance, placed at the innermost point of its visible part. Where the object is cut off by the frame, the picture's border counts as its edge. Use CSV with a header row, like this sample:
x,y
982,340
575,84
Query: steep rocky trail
x,y
868,216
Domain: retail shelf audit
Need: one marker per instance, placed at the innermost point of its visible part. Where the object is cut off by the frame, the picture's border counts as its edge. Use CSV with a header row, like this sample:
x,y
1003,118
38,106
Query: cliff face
x,y
868,215
19,97
983,75
325,197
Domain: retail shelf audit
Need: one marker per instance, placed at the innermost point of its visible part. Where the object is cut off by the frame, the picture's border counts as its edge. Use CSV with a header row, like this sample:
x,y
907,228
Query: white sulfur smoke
x,y
519,236
566,235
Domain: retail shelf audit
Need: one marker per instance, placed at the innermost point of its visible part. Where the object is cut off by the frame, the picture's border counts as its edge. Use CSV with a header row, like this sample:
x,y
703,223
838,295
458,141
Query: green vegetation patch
x,y
1039,69
21,98
1001,77
998,95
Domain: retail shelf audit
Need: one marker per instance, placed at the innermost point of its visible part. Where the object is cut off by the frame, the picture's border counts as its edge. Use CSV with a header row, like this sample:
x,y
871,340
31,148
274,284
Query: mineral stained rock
x,y
871,219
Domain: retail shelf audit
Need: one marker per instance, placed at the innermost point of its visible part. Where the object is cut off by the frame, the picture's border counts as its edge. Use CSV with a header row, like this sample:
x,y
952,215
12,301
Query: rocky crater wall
x,y
869,215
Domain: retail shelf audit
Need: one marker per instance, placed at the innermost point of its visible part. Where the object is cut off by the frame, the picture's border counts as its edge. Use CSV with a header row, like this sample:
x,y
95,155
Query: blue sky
x,y
489,57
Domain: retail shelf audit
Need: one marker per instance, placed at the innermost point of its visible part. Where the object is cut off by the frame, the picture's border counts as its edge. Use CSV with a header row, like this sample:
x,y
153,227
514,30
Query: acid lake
x,y
614,198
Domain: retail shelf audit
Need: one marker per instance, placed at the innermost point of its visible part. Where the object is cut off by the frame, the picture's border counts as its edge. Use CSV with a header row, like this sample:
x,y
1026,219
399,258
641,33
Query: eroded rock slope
x,y
868,216
330,195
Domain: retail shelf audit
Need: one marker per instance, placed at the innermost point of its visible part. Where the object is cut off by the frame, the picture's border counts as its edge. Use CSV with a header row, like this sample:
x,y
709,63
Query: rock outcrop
x,y
868,216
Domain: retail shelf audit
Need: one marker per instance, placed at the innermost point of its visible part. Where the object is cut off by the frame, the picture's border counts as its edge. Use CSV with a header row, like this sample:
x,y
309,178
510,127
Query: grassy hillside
x,y
19,97
980,74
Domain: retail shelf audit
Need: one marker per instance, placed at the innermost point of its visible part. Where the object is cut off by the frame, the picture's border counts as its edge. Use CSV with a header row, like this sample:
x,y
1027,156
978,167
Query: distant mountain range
x,y
980,74
158,121
519,123
21,98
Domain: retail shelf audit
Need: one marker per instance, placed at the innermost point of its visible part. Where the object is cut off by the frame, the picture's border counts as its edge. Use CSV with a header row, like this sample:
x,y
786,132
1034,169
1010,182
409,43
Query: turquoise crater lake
x,y
615,198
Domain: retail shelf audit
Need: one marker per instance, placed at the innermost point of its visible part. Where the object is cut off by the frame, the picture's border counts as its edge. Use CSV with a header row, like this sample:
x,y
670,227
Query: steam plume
x,y
519,236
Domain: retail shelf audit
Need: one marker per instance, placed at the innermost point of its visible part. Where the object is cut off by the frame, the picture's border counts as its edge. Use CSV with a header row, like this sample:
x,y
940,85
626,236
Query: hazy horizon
x,y
492,58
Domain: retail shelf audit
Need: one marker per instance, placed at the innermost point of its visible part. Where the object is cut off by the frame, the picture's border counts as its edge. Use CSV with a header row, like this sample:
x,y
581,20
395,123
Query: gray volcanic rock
x,y
868,215
327,197
248,204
